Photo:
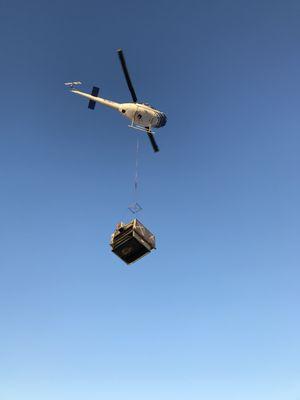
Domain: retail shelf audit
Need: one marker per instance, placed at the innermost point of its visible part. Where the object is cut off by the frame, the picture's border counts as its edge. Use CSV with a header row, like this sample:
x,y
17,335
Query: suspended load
x,y
132,241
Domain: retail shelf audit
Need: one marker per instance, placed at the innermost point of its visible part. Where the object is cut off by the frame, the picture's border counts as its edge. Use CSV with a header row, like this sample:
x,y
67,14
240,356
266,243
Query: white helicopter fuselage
x,y
138,113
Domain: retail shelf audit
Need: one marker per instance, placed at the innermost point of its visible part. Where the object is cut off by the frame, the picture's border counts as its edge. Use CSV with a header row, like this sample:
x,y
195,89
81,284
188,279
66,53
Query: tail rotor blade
x,y
153,142
127,77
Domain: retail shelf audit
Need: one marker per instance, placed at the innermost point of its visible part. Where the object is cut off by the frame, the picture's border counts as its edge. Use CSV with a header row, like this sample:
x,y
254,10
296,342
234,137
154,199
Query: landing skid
x,y
147,130
140,128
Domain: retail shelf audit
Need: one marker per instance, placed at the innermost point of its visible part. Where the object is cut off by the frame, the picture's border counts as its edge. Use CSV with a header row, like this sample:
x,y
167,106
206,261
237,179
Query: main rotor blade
x,y
126,73
153,142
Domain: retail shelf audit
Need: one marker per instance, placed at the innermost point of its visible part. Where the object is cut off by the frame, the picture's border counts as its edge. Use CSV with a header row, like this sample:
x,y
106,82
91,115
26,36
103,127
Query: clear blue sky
x,y
214,312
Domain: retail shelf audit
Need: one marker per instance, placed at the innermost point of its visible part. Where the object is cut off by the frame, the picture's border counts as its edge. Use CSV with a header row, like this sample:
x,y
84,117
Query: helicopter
x,y
142,115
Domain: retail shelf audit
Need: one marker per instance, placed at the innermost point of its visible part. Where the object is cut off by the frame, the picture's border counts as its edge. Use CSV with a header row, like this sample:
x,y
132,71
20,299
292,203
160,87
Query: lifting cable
x,y
135,208
136,177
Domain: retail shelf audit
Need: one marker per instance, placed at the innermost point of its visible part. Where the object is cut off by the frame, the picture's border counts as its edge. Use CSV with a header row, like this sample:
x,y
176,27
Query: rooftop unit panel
x,y
132,241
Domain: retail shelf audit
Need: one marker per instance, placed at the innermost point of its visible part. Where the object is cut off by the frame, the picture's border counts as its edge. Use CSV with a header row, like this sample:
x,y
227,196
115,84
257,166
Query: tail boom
x,y
108,103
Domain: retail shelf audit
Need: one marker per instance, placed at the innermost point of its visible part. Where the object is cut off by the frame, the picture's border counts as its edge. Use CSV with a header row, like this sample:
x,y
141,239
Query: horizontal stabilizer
x,y
94,93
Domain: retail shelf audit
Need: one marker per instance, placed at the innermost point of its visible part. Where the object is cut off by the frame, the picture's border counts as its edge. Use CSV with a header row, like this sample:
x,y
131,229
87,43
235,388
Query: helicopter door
x,y
138,116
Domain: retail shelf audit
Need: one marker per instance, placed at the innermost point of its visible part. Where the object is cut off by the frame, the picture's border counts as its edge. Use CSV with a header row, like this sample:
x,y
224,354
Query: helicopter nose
x,y
162,120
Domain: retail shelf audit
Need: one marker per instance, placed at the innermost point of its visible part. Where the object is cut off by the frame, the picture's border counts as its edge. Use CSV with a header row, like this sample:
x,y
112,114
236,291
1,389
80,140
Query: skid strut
x,y
140,128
